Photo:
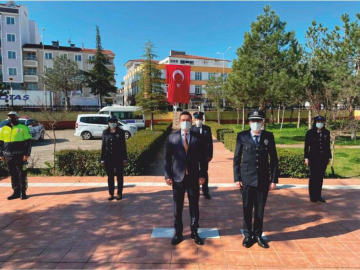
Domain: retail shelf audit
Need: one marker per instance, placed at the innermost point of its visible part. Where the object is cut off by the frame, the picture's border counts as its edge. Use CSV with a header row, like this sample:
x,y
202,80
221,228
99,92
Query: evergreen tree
x,y
151,99
100,79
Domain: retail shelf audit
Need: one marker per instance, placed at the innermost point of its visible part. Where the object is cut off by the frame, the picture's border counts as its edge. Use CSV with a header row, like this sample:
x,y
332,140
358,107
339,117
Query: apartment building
x,y
202,68
23,60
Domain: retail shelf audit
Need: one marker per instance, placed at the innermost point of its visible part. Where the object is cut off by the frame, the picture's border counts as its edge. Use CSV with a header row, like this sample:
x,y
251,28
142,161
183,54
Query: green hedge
x,y
291,163
141,148
218,130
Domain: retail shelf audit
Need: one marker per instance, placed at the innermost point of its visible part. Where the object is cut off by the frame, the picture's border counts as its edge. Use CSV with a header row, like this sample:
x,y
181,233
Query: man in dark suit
x,y
185,171
255,174
206,135
317,154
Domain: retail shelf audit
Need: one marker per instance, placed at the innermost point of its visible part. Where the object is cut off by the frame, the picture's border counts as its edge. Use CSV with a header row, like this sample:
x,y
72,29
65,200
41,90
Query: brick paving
x,y
75,227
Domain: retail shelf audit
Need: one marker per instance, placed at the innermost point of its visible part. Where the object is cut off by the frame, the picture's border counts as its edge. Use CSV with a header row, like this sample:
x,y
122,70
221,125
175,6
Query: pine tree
x,y
151,99
100,79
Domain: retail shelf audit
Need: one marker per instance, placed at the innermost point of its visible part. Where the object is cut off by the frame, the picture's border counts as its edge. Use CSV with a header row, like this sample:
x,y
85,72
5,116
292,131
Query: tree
x,y
214,91
100,79
151,99
64,77
268,52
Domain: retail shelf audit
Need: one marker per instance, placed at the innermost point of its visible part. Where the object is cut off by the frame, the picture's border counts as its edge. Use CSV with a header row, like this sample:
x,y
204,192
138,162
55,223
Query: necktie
x,y
256,140
186,147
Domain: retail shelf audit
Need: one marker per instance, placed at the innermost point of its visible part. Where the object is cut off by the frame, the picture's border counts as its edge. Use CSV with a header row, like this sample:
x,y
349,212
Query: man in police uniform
x,y
206,135
15,149
317,154
255,174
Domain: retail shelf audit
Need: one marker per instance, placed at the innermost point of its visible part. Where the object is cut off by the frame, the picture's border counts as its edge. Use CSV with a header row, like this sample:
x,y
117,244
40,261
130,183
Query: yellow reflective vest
x,y
15,140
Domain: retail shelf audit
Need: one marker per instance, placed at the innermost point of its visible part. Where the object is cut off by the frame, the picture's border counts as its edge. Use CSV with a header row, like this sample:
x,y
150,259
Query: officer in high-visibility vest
x,y
15,149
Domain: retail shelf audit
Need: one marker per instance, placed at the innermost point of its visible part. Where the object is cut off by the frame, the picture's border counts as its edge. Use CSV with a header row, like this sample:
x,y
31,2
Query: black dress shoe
x,y
321,200
247,242
177,239
111,197
261,242
207,196
197,239
314,201
15,195
23,195
119,197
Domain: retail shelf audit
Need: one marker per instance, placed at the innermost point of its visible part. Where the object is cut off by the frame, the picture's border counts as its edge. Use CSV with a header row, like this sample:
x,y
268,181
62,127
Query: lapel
x,y
191,141
180,144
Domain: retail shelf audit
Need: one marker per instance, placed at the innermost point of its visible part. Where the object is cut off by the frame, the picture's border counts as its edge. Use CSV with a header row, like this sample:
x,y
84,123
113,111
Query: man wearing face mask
x,y
185,164
114,156
206,135
15,149
317,154
255,175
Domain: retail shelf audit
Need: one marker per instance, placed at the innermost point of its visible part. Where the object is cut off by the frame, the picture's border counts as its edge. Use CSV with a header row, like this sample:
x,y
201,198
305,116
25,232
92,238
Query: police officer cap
x,y
256,115
12,113
319,118
198,115
113,119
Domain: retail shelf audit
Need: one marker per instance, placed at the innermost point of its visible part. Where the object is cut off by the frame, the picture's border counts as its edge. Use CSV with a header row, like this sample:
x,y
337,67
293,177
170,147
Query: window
x,y
94,120
211,74
30,56
10,20
10,37
31,71
11,55
91,57
198,90
184,62
78,57
49,56
12,72
225,76
198,76
64,54
126,115
174,61
32,86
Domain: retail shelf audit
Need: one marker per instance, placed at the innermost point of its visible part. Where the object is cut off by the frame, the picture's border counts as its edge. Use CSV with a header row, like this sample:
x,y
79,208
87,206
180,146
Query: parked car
x,y
37,129
126,114
89,126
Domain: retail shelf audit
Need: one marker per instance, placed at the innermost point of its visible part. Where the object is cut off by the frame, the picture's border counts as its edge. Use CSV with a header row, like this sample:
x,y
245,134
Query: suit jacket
x,y
251,163
176,160
113,146
316,146
207,139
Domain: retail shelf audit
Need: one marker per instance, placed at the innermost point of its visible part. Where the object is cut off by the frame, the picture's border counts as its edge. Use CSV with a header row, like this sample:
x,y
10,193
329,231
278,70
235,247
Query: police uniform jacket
x,y
113,146
317,144
251,163
177,160
15,140
206,137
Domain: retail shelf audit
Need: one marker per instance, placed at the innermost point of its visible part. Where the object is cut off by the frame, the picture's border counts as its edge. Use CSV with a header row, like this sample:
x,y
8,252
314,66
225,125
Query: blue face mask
x,y
319,125
112,125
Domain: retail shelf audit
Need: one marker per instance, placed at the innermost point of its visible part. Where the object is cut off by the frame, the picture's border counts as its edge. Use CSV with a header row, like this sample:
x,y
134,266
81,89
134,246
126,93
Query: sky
x,y
198,28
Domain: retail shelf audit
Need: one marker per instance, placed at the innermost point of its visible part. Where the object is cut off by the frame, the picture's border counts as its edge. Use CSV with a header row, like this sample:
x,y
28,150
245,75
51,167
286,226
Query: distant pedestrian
x,y
317,154
114,156
15,149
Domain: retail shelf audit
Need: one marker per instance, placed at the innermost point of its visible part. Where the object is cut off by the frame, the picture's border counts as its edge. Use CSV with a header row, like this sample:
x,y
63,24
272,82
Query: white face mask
x,y
319,125
198,123
112,125
185,125
255,126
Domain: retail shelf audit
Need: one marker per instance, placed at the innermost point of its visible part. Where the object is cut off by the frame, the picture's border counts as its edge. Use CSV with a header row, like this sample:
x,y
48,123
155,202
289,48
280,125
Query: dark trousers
x,y
191,186
317,168
112,169
17,172
254,198
205,186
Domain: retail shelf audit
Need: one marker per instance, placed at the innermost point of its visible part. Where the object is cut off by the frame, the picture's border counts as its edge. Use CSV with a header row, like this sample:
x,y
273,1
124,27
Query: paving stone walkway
x,y
73,226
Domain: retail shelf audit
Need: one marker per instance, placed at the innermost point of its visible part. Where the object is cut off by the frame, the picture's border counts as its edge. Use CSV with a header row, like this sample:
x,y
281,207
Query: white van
x,y
92,125
125,114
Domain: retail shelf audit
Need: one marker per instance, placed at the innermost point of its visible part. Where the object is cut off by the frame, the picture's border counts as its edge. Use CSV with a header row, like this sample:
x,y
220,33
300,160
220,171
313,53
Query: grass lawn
x,y
71,116
291,135
346,163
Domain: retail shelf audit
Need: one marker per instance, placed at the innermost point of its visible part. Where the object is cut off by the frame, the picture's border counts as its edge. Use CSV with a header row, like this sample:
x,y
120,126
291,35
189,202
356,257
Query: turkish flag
x,y
178,80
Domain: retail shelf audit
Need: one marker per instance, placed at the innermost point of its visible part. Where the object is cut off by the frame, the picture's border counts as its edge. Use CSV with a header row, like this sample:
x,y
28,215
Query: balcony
x,y
30,61
31,77
110,66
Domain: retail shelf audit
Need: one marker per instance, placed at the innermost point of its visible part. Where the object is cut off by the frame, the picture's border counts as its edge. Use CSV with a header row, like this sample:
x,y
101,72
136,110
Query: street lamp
x,y
11,93
43,30
223,54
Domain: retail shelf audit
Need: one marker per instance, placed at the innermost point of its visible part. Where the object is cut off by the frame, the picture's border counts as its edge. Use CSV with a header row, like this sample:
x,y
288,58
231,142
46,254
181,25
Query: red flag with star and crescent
x,y
178,81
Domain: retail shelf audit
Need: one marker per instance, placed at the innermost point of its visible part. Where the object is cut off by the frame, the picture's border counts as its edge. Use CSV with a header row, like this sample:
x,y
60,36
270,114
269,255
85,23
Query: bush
x,y
218,130
141,148
291,164
222,133
230,141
